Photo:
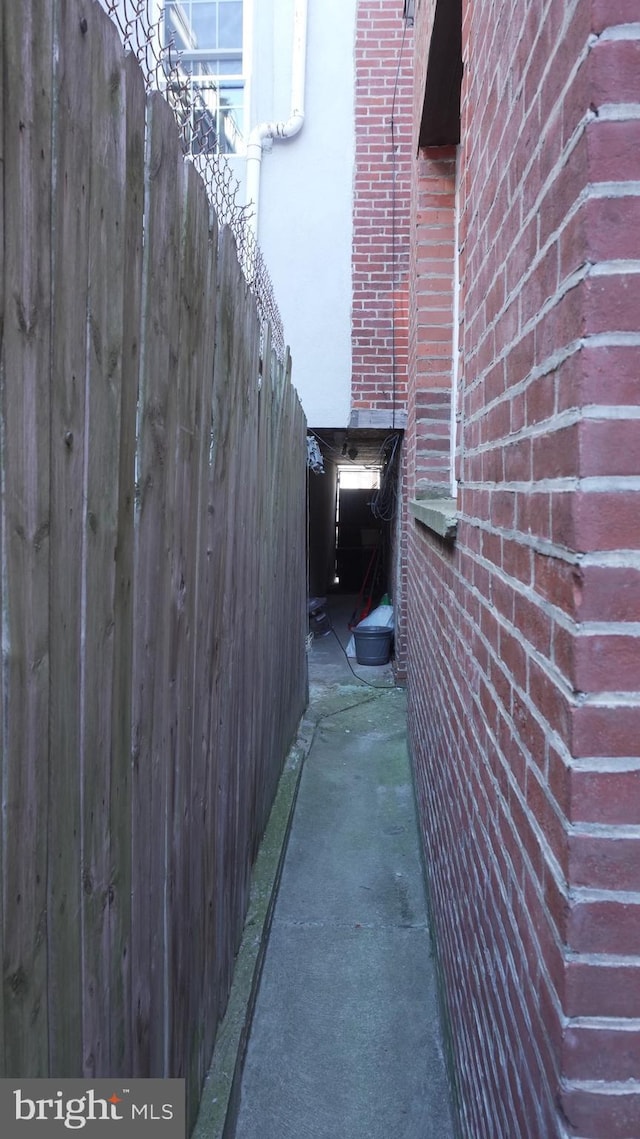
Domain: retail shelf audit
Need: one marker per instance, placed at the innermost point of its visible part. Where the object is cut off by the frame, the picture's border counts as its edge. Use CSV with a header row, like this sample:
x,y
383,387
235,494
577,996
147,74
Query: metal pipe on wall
x,y
287,128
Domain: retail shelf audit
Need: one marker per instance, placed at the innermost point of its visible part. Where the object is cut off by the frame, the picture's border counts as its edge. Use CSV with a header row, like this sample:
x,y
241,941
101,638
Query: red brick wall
x,y
384,90
431,292
523,637
401,539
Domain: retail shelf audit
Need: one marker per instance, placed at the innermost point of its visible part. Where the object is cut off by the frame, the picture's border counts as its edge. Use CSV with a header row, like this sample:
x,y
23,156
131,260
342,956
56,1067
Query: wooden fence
x,y
153,569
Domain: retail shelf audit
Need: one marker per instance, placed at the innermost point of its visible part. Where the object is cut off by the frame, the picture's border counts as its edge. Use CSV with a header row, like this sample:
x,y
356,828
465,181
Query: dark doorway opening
x,y
352,516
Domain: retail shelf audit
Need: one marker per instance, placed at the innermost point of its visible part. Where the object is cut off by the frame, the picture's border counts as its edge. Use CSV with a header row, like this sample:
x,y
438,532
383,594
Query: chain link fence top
x,y
141,29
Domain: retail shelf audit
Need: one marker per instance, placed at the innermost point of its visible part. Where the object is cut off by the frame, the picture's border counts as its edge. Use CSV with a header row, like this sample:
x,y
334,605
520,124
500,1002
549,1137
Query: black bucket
x,y
373,644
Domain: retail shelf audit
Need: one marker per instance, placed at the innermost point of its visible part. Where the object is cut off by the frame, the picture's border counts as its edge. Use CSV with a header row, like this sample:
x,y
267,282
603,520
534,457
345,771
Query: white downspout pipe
x,y
265,132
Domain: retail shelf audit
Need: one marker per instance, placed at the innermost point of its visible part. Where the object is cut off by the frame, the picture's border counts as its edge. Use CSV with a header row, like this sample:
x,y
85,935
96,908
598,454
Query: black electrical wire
x,y
380,687
384,502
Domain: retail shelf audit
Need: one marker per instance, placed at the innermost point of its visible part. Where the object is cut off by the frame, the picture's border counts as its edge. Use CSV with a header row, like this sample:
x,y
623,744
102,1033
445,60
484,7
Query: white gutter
x,y
266,132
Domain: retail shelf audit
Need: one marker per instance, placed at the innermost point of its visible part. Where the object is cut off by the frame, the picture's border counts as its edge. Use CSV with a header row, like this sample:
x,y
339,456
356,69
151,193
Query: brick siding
x,y
431,319
522,650
384,90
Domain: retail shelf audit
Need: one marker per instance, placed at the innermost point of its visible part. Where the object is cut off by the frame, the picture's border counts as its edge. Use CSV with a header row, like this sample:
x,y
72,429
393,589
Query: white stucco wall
x,y
306,195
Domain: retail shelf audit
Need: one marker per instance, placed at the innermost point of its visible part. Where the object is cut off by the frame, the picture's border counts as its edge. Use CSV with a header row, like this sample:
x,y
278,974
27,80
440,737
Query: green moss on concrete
x,y
226,1063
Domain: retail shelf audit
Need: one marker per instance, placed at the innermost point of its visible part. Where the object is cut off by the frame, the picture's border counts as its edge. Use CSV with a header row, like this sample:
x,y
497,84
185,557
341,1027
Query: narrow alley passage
x,y
346,1038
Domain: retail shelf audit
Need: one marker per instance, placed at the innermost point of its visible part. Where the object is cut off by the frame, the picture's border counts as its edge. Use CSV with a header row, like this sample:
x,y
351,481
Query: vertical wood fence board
x,y
302,497
227,503
121,822
205,789
268,542
207,634
293,691
27,66
182,615
263,539
297,521
152,731
277,563
298,511
168,739
272,585
224,417
274,581
254,555
289,468
70,266
278,578
269,545
205,1025
224,408
102,460
238,586
240,569
3,907
203,1039
200,1031
252,552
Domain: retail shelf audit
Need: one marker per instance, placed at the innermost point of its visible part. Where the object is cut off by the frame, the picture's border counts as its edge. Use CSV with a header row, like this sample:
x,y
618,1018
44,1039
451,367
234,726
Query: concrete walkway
x,y
345,1039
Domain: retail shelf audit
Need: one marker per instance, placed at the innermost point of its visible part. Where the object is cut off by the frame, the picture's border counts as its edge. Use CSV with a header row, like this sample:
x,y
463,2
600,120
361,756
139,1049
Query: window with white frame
x,y
207,34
